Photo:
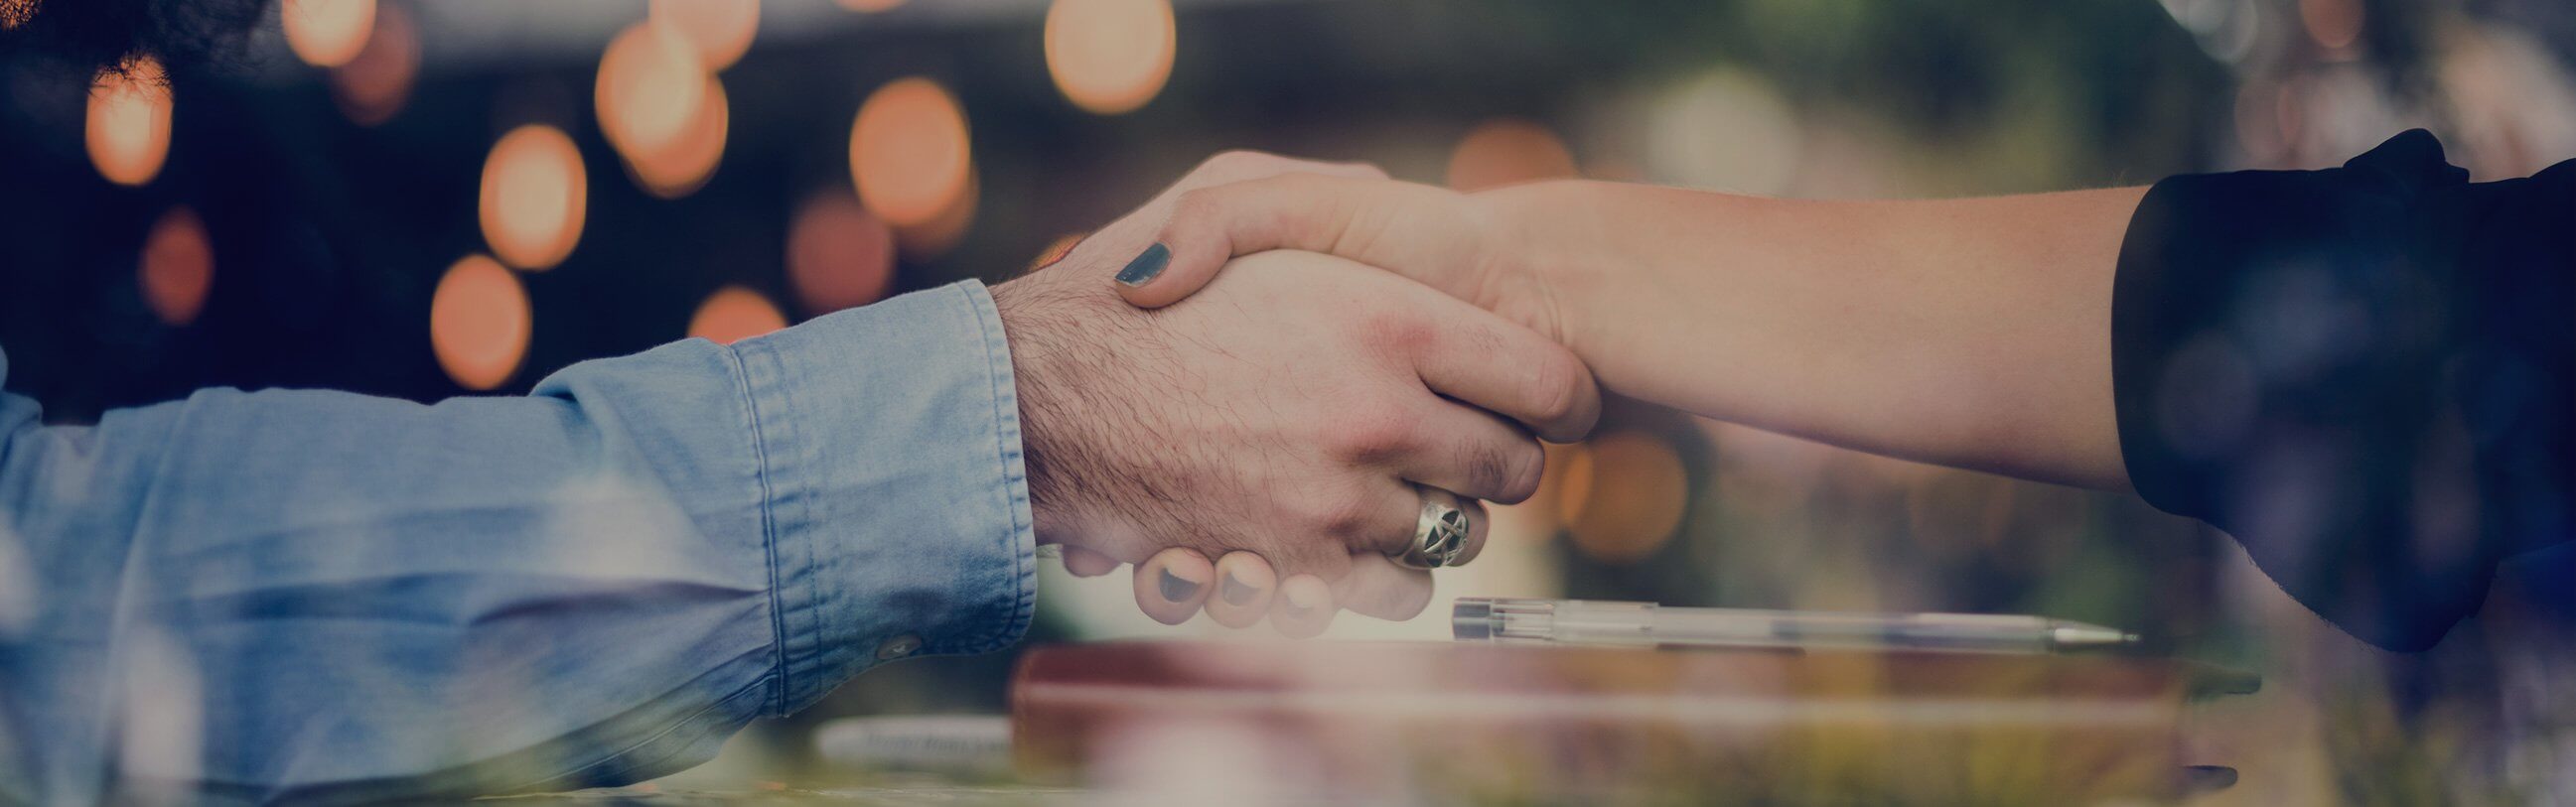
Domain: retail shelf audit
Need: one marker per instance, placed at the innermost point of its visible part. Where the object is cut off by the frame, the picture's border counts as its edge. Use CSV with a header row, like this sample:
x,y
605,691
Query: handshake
x,y
1308,434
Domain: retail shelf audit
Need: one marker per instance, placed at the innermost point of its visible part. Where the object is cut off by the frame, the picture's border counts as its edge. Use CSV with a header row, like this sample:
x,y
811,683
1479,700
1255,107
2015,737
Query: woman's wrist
x,y
1543,257
1632,274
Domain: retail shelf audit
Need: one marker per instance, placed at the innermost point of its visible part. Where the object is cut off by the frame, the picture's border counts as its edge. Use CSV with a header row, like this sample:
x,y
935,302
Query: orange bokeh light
x,y
870,5
721,29
931,238
691,160
14,13
1569,469
1623,497
2334,24
479,323
374,84
178,266
1109,56
733,314
1056,250
838,255
909,153
327,33
534,197
1506,151
129,121
651,85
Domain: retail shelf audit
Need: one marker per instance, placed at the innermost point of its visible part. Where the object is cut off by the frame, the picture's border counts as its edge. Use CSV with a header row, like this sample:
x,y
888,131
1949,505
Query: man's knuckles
x,y
1376,433
1342,516
1508,473
1396,331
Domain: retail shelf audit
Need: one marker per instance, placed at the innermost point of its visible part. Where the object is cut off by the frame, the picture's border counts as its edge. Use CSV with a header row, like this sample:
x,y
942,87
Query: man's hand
x,y
1282,421
1490,248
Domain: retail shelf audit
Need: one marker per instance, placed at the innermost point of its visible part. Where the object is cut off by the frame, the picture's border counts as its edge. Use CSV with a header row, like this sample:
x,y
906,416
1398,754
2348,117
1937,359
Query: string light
x,y
1109,56
1762,142
2334,24
479,323
327,33
650,89
534,197
838,255
1056,250
945,229
909,154
178,266
1625,496
733,314
1506,151
721,29
128,130
690,161
14,13
374,84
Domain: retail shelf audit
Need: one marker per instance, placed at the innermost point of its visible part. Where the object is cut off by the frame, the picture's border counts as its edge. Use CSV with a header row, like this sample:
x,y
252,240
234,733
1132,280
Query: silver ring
x,y
1440,534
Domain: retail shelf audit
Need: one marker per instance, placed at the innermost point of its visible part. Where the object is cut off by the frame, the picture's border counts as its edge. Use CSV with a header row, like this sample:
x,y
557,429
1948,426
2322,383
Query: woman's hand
x,y
1226,168
1965,332
1241,587
1485,248
1477,248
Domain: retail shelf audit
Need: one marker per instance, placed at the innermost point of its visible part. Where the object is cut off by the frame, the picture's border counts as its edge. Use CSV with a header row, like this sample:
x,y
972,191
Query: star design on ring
x,y
1448,535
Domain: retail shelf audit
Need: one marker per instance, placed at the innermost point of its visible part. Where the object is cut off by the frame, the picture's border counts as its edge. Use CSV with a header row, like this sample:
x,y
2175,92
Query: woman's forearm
x,y
1970,332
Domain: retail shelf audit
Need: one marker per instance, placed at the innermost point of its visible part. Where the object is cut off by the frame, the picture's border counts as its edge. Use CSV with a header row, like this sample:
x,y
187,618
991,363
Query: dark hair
x,y
92,35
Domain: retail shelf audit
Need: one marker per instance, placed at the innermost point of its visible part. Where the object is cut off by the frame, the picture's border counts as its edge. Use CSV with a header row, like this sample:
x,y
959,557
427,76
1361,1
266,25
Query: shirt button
x,y
899,647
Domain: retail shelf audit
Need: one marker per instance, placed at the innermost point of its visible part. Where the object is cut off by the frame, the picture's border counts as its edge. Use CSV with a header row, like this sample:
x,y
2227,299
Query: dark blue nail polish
x,y
1143,269
1176,589
1235,592
2208,778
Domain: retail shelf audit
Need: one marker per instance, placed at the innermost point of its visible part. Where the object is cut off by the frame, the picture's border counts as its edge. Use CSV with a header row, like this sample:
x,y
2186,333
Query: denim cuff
x,y
897,504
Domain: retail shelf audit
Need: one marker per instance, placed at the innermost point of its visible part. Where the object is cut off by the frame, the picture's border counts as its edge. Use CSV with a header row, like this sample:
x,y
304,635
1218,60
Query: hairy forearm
x,y
1971,332
1061,368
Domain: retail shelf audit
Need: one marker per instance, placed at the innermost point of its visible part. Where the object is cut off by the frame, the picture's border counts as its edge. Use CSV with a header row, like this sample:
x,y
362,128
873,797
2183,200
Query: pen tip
x,y
2081,635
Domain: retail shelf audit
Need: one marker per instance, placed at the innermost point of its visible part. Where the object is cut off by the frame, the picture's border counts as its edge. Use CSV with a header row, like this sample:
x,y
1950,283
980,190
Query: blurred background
x,y
427,199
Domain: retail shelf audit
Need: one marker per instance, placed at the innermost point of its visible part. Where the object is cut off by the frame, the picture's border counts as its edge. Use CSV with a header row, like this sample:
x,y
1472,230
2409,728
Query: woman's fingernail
x,y
1176,589
1235,591
1288,600
1143,269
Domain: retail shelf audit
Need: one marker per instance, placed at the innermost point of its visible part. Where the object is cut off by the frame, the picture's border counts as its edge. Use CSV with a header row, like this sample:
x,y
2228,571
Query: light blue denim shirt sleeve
x,y
307,596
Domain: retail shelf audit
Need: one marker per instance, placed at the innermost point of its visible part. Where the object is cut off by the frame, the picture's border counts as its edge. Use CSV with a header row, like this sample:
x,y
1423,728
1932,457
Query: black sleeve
x,y
2360,373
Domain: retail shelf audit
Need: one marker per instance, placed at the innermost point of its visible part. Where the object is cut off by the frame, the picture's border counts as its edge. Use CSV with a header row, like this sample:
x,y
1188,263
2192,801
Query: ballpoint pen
x,y
1641,623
